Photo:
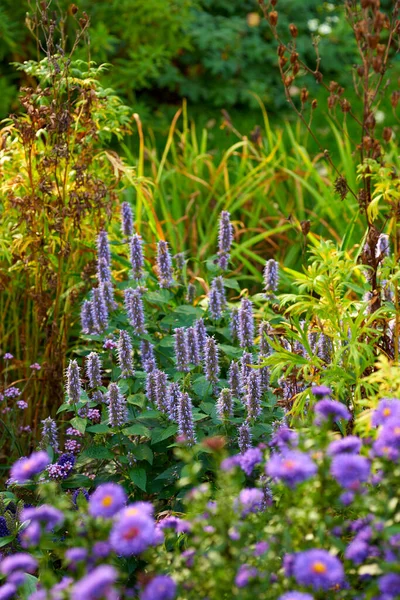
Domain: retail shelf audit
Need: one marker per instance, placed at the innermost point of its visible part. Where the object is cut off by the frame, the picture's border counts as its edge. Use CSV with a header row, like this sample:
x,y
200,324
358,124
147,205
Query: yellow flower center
x,y
397,430
131,511
319,567
107,501
27,466
289,464
387,412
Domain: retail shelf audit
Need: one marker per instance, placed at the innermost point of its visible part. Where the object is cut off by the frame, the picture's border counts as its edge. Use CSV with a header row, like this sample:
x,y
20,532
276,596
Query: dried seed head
x,y
341,187
314,104
387,134
293,30
273,18
304,95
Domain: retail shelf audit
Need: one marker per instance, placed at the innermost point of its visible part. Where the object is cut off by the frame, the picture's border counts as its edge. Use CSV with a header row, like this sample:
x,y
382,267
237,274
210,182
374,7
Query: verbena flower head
x,y
132,533
93,369
330,409
27,467
318,569
387,409
246,323
349,445
164,265
99,310
251,500
117,410
211,360
74,388
8,356
181,350
125,354
235,380
224,404
97,584
192,345
107,500
185,419
135,310
162,587
244,438
350,470
126,219
291,467
271,277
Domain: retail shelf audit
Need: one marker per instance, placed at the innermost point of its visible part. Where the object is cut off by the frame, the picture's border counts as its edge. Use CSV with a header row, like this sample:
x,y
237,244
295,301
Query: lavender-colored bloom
x,y
132,533
271,277
201,333
35,367
253,395
164,265
251,500
218,283
244,438
185,419
103,247
234,324
320,391
147,356
190,293
161,391
246,362
107,291
101,550
283,437
107,500
181,350
265,348
125,354
99,310
357,551
117,410
390,433
350,470
74,555
325,348
62,468
319,569
7,591
173,401
161,587
8,356
180,267
349,445
93,369
12,392
225,236
249,459
263,373
330,409
21,404
192,346
74,388
151,386
134,309
244,575
215,303
235,380
137,257
18,562
126,219
382,246
211,366
103,271
25,468
44,514
97,584
295,596
246,323
224,404
387,409
261,548
389,584
291,467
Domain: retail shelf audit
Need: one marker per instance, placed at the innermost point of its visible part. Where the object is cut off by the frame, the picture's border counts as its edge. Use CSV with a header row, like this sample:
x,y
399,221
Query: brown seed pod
x,y
273,18
294,32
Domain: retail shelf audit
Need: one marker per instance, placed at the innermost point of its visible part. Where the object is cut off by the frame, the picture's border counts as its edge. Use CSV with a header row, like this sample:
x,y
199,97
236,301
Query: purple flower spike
x,y
253,395
137,257
126,219
224,404
181,350
103,247
244,439
164,265
235,380
74,388
264,373
246,362
161,391
147,356
93,369
103,271
174,394
201,333
215,303
234,324
87,318
185,419
192,346
180,264
325,348
225,239
271,278
211,366
107,291
125,354
151,386
49,434
246,323
191,293
134,309
117,410
99,311
265,348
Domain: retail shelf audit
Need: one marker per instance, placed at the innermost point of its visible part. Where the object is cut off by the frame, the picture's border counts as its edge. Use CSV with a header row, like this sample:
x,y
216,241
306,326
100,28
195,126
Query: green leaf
x,y
158,434
96,452
139,477
143,452
6,540
160,297
202,387
79,424
99,428
137,429
29,586
231,351
65,406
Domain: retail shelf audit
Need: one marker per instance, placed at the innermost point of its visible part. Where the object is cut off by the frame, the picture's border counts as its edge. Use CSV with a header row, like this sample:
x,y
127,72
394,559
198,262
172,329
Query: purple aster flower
x,y
132,533
134,309
295,596
25,468
249,459
244,575
389,584
74,388
191,293
75,555
99,311
21,404
93,369
185,419
283,437
117,409
201,333
211,366
161,587
387,409
192,346
235,380
125,354
126,219
161,391
8,590
291,467
320,391
318,569
181,350
18,562
175,523
357,551
147,356
107,500
164,265
49,434
253,395
325,348
271,277
390,433
349,445
174,394
229,463
246,323
350,470
101,550
87,323
244,438
224,404
261,548
384,449
330,409
138,508
234,324
44,514
215,302
251,500
97,584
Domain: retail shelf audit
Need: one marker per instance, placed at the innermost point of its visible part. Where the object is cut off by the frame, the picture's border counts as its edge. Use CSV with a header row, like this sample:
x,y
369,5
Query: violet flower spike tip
x,y
164,265
137,257
74,388
117,409
126,219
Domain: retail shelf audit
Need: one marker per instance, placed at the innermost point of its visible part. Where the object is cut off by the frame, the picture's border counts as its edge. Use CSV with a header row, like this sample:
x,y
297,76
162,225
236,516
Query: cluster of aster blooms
x,y
10,394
